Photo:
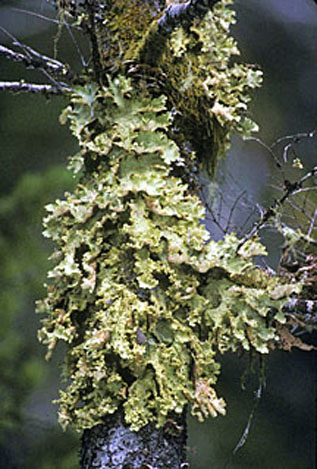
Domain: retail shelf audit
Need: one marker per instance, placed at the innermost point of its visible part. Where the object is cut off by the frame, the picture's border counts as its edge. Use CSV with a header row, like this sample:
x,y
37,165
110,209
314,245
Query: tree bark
x,y
114,445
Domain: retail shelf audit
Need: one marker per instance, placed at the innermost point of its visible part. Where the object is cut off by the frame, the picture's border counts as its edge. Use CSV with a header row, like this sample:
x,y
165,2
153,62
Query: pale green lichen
x,y
226,83
141,295
207,86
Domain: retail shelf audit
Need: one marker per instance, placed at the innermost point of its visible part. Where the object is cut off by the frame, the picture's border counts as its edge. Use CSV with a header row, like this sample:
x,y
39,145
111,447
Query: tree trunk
x,y
114,445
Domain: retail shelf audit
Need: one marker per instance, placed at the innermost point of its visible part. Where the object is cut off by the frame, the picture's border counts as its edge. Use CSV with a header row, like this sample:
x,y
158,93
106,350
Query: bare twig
x,y
15,56
37,61
312,223
21,87
305,189
257,397
250,216
242,194
68,26
33,59
296,138
269,149
76,45
42,17
289,190
214,219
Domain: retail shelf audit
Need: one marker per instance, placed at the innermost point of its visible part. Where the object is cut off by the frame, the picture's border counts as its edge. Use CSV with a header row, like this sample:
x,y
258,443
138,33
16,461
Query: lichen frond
x,y
144,300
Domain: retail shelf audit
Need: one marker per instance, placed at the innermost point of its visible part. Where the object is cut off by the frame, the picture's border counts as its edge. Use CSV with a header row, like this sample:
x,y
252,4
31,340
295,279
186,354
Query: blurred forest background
x,y
281,37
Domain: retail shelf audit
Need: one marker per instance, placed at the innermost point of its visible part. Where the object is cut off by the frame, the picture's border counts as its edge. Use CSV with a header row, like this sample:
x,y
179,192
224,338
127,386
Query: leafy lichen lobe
x,y
142,296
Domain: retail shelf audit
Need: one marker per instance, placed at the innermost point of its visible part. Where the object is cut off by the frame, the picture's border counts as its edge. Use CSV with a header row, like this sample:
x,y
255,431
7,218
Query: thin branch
x,y
42,17
68,26
33,59
234,206
305,189
290,189
76,45
14,56
257,397
251,215
269,149
287,148
312,224
214,219
296,138
22,87
39,61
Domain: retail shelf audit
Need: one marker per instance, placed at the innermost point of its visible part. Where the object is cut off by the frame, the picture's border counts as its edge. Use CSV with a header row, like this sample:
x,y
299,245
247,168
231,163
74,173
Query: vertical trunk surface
x,y
114,445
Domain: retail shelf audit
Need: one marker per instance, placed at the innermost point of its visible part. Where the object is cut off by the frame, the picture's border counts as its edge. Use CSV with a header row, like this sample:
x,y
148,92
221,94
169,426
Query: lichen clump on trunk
x,y
141,295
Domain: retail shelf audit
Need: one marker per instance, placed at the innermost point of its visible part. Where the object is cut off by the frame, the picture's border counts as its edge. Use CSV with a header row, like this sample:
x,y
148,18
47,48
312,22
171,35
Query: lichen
x,y
141,295
207,86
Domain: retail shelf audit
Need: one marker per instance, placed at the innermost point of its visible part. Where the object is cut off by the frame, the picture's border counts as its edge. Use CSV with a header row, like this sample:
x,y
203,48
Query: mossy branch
x,y
152,47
